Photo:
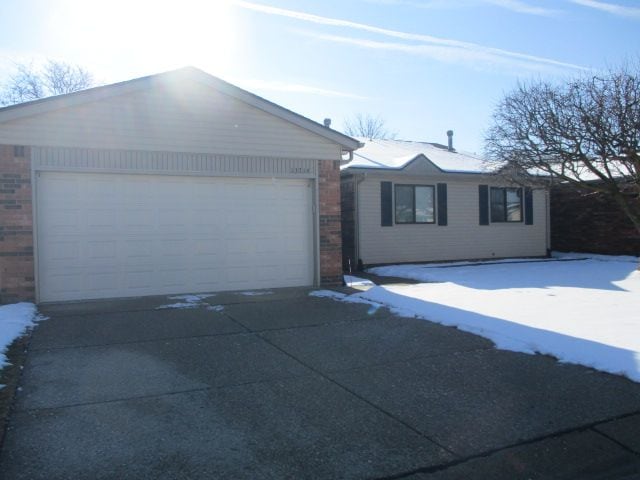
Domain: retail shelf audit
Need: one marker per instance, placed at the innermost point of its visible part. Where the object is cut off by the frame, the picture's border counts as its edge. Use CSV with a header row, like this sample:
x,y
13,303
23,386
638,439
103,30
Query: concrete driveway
x,y
283,385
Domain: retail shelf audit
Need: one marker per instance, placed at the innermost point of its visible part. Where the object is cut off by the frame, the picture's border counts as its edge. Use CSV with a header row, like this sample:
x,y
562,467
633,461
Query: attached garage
x,y
103,235
169,184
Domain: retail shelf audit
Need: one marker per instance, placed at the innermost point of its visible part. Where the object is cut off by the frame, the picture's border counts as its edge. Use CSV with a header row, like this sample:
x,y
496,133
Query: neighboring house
x,y
588,221
173,183
423,202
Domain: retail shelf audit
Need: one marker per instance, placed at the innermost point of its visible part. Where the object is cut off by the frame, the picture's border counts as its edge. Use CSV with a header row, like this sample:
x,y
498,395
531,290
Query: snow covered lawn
x,y
14,321
584,311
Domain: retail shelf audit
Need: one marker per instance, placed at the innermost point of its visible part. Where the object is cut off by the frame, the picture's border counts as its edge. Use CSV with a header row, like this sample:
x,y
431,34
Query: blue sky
x,y
423,66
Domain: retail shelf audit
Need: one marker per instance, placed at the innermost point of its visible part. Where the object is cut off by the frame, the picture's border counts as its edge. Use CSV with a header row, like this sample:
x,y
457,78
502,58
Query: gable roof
x,y
173,77
398,154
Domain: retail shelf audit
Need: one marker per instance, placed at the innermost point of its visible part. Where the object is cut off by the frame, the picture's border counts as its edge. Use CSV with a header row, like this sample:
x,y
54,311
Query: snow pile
x,y
193,297
352,281
255,293
15,319
581,311
343,297
592,256
188,301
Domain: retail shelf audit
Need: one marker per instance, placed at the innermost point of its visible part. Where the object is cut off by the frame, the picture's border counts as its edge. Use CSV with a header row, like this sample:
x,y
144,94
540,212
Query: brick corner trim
x,y
17,277
330,232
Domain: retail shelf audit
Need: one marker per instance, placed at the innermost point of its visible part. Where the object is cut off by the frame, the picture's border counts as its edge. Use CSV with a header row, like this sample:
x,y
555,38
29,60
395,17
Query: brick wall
x,y
330,238
16,225
348,224
590,222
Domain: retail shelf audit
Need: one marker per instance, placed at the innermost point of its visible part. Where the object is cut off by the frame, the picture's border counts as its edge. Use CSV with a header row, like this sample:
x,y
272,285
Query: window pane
x,y
514,204
497,205
424,204
404,204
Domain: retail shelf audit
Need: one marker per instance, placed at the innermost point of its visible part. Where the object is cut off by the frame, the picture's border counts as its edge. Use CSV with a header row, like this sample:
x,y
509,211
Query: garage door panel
x,y
268,246
173,218
63,221
138,219
238,277
172,278
62,251
62,188
174,248
139,279
107,235
135,250
207,247
69,283
100,217
103,282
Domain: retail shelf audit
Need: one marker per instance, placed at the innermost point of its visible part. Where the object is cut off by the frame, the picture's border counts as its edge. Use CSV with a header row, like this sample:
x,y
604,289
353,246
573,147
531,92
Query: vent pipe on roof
x,y
450,144
327,122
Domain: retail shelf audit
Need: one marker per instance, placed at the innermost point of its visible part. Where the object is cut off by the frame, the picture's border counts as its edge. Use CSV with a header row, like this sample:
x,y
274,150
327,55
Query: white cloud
x,y
277,86
479,59
522,7
518,6
615,9
473,52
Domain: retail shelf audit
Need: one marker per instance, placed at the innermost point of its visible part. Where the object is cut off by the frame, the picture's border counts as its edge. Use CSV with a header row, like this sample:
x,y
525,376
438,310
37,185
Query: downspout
x,y
359,178
344,161
316,225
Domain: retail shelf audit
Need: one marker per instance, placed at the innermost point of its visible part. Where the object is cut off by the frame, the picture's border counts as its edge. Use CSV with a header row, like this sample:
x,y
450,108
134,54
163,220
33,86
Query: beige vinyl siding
x,y
168,163
194,118
462,238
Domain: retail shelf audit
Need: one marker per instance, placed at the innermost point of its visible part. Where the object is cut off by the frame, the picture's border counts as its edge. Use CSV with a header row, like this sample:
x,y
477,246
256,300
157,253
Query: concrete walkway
x,y
283,385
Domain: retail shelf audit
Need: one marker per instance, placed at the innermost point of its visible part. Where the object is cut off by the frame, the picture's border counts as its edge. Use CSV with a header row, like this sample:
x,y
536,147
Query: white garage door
x,y
111,235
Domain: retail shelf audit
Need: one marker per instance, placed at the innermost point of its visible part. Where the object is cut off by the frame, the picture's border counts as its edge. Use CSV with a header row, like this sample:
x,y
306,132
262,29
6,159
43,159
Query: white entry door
x,y
116,235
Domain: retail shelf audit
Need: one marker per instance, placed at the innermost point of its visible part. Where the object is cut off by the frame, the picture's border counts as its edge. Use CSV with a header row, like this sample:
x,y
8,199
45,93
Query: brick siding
x,y
330,237
590,222
16,225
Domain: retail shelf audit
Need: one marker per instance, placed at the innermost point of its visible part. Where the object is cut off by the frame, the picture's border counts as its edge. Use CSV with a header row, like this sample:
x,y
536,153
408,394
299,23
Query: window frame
x,y
413,185
504,204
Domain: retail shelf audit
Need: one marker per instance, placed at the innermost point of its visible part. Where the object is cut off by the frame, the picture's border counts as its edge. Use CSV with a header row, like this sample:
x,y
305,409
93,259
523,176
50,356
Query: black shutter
x,y
483,197
386,204
442,203
528,206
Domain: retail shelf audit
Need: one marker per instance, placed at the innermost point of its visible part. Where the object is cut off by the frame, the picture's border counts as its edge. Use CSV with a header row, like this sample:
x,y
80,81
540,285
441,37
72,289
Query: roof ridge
x,y
43,105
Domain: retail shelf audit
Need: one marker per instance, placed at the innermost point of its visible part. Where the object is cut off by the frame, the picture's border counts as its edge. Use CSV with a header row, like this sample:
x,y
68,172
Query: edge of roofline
x,y
414,159
43,105
397,169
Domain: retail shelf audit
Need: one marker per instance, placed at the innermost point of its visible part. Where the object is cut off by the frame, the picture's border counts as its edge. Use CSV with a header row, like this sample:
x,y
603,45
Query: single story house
x,y
405,202
172,183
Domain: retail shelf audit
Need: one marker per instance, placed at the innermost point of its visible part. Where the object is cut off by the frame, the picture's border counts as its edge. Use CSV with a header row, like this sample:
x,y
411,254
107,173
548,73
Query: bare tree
x,y
367,126
28,82
585,132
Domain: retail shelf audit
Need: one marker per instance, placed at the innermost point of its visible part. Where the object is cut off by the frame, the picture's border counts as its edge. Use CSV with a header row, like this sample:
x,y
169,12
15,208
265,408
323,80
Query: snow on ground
x,y
255,293
188,301
593,256
15,319
343,297
352,281
584,311
192,298
179,305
